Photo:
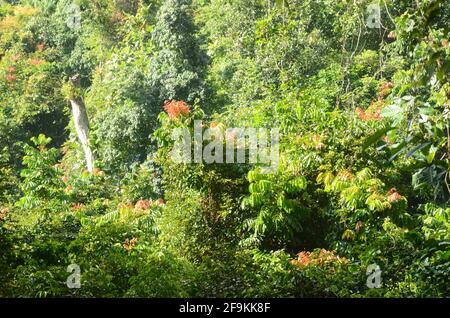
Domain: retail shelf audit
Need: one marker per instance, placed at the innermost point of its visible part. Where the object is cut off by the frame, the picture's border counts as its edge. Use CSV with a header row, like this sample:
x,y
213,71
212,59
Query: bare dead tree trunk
x,y
81,122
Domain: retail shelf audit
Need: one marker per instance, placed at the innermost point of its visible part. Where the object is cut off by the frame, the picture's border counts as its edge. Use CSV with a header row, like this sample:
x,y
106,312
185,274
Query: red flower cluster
x,y
175,108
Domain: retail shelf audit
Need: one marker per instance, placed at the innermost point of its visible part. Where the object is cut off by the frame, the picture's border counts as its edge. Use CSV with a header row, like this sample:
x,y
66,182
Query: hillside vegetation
x,y
91,92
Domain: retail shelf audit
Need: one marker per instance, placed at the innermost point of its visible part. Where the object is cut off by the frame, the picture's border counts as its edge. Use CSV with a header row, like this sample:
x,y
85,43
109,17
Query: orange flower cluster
x,y
36,62
317,258
303,258
375,108
77,206
3,213
15,58
130,244
68,189
176,108
11,77
146,204
393,195
142,205
367,115
385,89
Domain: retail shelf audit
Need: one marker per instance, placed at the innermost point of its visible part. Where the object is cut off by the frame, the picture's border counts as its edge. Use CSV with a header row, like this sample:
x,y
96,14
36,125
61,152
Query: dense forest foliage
x,y
92,90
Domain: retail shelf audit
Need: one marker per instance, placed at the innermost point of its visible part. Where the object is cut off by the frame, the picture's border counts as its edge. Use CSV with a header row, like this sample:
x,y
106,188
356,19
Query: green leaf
x,y
375,137
431,154
417,148
394,112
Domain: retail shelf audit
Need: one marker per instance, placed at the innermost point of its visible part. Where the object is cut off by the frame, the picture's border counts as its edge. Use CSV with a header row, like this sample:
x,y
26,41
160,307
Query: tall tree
x,y
178,69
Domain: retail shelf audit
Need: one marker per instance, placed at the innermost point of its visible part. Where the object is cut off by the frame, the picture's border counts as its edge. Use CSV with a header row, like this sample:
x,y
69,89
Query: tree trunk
x,y
81,121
